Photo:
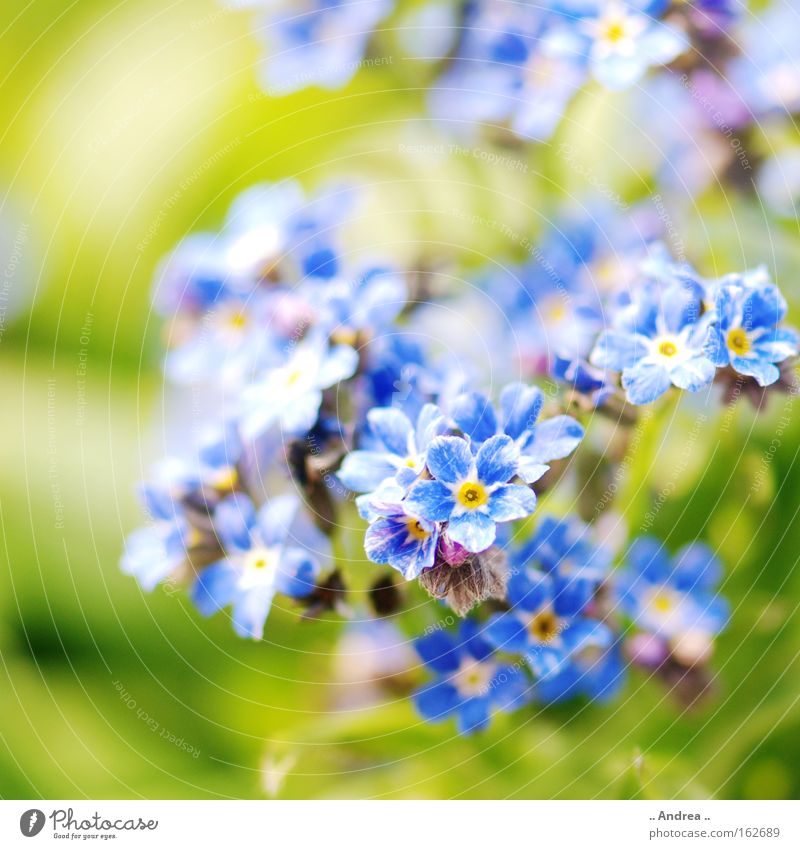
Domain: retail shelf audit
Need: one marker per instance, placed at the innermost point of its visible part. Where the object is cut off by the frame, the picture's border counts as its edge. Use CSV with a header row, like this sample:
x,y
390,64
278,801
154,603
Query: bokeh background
x,y
127,125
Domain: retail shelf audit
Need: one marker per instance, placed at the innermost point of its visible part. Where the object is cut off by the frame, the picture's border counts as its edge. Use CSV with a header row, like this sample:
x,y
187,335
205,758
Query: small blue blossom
x,y
317,42
583,378
596,669
471,493
538,442
471,682
764,74
546,623
178,498
505,72
234,338
262,559
290,395
394,448
155,552
745,333
658,342
672,598
566,550
617,40
405,542
368,302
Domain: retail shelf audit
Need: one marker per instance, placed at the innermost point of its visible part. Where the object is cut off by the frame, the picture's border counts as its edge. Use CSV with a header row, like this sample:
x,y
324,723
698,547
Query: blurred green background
x,y
125,127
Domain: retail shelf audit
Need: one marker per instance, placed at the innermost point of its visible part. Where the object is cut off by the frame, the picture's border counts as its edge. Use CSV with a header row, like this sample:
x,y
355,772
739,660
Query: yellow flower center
x,y
615,31
293,376
667,348
738,341
472,495
662,603
227,479
416,530
237,321
345,336
259,559
543,626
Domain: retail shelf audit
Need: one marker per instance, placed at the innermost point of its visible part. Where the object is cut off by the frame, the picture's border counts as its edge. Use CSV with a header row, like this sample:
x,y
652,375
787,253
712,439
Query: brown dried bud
x,y
479,577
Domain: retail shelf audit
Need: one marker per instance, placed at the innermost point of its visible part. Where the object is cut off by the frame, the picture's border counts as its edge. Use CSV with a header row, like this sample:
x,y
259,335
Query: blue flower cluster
x,y
550,643
521,65
327,377
676,329
672,603
314,42
453,477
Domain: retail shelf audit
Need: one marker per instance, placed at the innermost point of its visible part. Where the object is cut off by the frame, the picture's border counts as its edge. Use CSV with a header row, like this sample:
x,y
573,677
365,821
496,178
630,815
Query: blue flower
x,y
520,406
565,550
318,42
658,342
234,338
546,623
370,302
506,72
178,498
745,333
405,542
153,553
617,41
471,682
290,395
261,560
672,598
583,378
395,448
471,493
596,669
764,73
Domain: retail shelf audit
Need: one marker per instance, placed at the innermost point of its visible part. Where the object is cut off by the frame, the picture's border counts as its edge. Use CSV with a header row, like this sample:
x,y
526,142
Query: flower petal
x,y
777,345
449,459
437,701
510,502
234,519
497,460
693,374
339,364
618,351
250,611
554,439
696,568
388,541
364,471
475,531
297,574
473,715
645,382
765,373
475,415
275,518
392,428
215,587
520,406
439,651
507,633
714,346
431,500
